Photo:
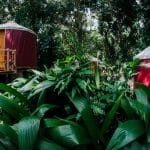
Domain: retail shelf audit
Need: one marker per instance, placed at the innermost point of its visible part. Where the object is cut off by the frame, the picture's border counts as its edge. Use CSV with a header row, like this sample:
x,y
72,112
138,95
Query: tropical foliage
x,y
80,97
62,108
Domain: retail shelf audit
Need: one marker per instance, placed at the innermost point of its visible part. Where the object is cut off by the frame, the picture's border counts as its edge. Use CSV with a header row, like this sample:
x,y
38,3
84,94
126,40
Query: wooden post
x,y
7,59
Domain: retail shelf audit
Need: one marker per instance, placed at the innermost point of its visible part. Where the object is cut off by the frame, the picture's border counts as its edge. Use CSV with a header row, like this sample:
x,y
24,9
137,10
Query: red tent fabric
x,y
143,75
25,44
143,69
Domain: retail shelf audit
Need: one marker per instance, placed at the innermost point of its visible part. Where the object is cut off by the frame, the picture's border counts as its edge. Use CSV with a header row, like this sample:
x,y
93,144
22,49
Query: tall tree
x,y
117,25
119,29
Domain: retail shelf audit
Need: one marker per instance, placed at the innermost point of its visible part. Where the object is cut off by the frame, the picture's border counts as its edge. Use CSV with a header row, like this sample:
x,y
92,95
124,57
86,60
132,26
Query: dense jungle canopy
x,y
116,28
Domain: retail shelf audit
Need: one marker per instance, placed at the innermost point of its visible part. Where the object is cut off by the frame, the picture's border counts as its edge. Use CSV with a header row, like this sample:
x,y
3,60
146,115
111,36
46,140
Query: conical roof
x,y
145,54
14,26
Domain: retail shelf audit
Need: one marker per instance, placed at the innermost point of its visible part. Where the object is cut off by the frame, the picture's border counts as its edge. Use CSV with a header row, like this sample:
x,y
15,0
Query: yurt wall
x,y
143,68
25,44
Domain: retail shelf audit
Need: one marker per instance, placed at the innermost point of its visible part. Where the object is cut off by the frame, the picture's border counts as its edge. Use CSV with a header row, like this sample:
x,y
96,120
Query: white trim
x,y
14,26
145,54
146,65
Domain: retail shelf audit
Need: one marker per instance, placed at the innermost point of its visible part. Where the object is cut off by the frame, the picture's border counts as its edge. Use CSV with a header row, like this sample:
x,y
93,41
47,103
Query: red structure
x,y
143,69
21,42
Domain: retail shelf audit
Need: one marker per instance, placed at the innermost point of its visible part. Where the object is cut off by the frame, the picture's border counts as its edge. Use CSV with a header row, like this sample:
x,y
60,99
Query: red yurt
x,y
143,68
18,47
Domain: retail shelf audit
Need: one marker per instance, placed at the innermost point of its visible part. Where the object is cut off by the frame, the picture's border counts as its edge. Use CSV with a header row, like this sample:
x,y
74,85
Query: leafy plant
x,y
71,105
38,130
130,131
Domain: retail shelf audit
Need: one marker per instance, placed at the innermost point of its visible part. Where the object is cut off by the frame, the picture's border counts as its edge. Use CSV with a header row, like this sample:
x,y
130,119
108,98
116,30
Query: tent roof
x,y
14,26
145,54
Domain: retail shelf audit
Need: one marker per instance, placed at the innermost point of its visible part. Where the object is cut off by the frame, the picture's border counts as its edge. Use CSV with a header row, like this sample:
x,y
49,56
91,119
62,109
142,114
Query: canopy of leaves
x,y
63,26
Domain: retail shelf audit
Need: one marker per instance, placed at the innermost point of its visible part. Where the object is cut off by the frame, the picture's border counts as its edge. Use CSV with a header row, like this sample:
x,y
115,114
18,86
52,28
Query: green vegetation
x,y
79,98
71,105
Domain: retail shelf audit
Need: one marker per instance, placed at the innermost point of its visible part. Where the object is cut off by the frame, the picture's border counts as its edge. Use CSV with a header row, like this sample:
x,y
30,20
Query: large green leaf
x,y
66,132
42,97
110,116
27,132
12,91
141,96
7,131
68,135
139,108
53,122
144,112
83,106
18,82
40,111
11,108
2,147
29,85
5,117
137,146
41,86
127,108
85,71
82,84
7,144
126,133
145,88
38,73
45,144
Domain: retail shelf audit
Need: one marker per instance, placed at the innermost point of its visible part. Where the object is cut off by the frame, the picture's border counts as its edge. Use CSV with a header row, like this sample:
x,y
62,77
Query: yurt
x,y
143,68
18,47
